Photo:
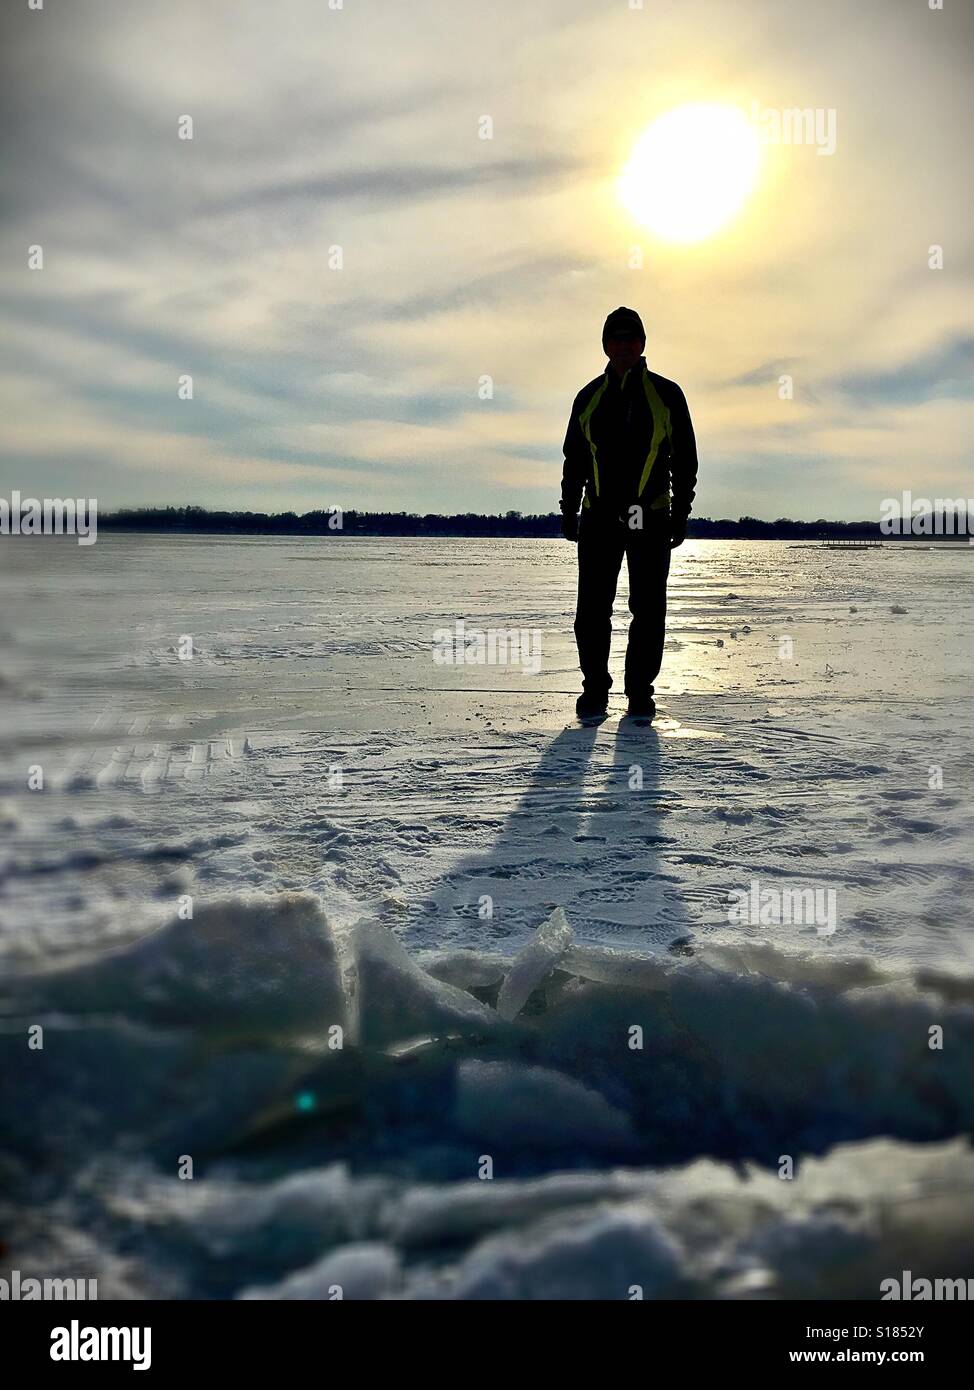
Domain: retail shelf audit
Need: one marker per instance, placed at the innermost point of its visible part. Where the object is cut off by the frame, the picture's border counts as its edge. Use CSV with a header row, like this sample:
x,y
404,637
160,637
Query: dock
x,y
853,545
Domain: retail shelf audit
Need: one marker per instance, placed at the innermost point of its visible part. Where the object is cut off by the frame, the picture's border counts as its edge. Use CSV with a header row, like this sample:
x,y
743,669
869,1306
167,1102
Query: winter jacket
x,y
630,441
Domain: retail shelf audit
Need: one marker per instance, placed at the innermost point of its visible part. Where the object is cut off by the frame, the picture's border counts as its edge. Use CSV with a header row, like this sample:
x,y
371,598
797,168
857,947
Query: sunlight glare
x,y
691,171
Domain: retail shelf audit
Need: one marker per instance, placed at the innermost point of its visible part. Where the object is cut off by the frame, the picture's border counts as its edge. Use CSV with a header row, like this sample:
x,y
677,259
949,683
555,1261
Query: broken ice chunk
x,y
365,1270
465,968
617,968
507,1103
397,1000
533,964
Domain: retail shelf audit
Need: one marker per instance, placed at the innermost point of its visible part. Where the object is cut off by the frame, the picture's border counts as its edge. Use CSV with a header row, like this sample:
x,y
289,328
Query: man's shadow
x,y
587,835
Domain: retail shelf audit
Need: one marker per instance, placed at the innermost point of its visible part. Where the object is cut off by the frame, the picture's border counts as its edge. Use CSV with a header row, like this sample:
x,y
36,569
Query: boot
x,y
591,703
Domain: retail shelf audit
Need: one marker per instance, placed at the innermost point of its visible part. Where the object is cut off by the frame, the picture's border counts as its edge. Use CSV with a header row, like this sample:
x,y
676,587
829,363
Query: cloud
x,y
466,258
394,183
762,375
947,371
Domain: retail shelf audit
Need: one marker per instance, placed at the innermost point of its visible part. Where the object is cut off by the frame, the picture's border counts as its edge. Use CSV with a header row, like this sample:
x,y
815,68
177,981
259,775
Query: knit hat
x,y
623,320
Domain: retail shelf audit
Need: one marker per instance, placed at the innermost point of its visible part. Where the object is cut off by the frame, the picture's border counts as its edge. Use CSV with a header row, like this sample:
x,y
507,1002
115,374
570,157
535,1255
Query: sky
x,y
435,367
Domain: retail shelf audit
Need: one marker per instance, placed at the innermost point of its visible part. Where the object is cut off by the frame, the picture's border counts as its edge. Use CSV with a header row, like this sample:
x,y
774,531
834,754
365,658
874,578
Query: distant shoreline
x,y
511,525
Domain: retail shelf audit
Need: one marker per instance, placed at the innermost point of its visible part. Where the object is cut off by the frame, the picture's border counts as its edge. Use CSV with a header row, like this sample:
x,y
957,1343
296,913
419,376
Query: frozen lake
x,y
271,811
314,741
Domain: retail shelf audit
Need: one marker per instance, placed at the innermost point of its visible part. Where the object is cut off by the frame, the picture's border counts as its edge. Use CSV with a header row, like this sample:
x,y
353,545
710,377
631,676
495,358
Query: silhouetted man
x,y
630,449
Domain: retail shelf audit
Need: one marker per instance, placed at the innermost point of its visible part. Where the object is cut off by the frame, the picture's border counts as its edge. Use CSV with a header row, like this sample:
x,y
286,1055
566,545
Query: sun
x,y
691,171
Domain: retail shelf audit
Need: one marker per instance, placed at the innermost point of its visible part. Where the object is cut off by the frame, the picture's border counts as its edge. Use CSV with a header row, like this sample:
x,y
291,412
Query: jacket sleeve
x,y
683,461
577,455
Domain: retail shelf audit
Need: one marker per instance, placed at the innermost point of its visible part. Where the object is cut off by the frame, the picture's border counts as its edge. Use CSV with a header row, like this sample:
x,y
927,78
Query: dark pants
x,y
602,542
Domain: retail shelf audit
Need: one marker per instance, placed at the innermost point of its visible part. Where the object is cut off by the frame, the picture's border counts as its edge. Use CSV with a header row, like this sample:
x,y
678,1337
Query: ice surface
x,y
216,776
358,900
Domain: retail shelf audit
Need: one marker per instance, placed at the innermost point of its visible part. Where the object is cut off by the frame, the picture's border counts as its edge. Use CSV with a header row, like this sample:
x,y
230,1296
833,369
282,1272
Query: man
x,y
630,449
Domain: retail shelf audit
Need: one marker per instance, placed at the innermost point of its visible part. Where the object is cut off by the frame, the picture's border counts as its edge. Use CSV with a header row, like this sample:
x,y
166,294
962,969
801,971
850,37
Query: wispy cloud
x,y
437,366
946,371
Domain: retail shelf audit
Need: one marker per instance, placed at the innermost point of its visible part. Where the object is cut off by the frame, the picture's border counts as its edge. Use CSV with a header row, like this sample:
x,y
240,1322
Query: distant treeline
x,y
355,523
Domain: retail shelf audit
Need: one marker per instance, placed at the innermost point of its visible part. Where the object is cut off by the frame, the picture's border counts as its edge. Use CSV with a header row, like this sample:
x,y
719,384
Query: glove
x,y
569,526
678,531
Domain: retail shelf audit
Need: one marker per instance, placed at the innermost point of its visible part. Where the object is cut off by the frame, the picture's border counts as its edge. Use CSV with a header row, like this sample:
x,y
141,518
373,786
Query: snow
x,y
484,899
461,782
